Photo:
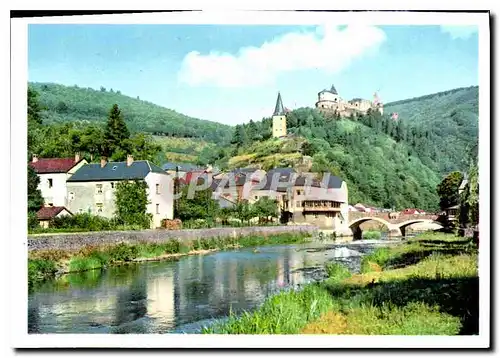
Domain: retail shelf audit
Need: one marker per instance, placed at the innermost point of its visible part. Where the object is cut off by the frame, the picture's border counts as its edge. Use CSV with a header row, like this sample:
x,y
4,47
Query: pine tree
x,y
117,133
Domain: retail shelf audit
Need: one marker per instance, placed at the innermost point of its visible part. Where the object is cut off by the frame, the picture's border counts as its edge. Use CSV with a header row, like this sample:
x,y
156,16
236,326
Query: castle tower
x,y
378,103
279,119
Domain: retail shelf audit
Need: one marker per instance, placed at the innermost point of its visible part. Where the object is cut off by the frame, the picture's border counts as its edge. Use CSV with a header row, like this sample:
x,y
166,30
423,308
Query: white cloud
x,y
328,48
459,32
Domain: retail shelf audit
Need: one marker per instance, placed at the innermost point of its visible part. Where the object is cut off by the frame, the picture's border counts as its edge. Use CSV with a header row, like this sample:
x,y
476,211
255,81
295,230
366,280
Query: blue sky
x,y
232,74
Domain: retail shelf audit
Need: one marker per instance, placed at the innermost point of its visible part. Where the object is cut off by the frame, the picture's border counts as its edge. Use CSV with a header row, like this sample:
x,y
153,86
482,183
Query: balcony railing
x,y
321,206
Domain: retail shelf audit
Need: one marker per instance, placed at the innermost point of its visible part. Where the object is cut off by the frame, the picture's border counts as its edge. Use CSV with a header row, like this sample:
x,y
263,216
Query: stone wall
x,y
75,241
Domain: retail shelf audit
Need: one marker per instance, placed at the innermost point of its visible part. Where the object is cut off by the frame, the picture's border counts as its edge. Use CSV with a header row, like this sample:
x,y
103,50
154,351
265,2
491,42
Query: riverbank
x,y
427,285
76,241
45,264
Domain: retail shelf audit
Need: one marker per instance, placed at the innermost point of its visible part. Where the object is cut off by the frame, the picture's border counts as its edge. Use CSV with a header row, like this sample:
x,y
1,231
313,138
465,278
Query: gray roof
x,y
115,171
331,90
184,167
278,109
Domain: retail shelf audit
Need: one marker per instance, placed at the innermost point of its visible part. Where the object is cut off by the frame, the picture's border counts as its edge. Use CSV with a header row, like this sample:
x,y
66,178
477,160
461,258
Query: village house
x,y
91,189
48,213
324,203
181,168
301,197
53,174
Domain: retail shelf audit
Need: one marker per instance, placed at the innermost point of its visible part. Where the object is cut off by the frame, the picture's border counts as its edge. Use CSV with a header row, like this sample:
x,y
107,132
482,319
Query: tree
x,y
201,206
62,107
131,202
448,190
265,208
244,211
35,199
142,147
34,107
116,133
469,199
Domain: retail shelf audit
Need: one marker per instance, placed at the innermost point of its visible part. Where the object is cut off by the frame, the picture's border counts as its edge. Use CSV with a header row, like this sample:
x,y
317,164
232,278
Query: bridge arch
x,y
357,232
402,226
359,221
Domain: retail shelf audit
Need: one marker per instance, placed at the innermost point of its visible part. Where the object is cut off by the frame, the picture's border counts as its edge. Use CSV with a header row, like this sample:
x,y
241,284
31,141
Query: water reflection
x,y
159,297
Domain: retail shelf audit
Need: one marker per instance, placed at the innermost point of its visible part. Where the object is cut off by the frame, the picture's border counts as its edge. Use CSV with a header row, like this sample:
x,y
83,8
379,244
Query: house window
x,y
255,197
99,207
98,188
157,188
71,195
299,192
297,204
50,183
50,204
112,185
157,208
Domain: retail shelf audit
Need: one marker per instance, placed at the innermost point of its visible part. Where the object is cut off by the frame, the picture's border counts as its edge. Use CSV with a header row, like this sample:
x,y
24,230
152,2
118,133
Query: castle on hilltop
x,y
329,101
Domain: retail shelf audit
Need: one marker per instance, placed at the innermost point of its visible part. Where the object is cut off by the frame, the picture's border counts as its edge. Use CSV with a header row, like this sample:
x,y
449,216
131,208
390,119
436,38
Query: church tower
x,y
279,119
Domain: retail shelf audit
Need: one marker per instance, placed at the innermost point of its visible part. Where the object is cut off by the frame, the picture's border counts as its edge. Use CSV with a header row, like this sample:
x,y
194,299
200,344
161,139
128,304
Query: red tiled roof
x,y
50,212
53,165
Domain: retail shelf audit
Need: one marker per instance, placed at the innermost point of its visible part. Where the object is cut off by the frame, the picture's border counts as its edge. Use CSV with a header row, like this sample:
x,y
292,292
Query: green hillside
x,y
451,120
186,150
65,104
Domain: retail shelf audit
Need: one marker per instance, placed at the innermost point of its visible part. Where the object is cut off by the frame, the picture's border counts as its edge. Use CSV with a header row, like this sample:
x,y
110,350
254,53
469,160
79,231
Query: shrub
x,y
32,221
123,252
83,221
50,255
39,269
337,271
372,235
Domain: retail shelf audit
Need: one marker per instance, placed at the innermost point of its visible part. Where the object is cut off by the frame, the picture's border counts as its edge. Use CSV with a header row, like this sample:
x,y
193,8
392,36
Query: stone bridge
x,y
396,223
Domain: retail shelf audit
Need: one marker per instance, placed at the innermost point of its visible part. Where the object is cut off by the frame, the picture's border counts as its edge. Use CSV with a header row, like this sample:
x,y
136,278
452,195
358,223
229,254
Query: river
x,y
181,295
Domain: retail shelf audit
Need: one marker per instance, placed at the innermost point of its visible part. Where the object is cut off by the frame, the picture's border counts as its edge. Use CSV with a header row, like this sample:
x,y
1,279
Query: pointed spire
x,y
279,110
333,90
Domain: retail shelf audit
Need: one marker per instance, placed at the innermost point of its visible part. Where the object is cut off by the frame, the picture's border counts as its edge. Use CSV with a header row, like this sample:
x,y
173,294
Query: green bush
x,y
123,252
39,269
337,271
372,235
83,221
32,221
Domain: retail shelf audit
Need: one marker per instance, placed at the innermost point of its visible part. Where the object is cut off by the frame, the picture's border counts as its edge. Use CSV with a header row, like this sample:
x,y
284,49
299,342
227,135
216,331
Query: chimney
x,y
35,158
130,160
103,162
77,157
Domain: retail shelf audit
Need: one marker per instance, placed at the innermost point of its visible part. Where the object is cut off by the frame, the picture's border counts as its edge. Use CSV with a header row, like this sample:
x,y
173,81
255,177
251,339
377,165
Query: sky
x,y
232,73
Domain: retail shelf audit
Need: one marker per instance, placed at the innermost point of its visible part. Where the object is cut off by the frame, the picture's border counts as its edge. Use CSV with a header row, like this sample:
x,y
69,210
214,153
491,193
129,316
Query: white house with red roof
x,y
53,173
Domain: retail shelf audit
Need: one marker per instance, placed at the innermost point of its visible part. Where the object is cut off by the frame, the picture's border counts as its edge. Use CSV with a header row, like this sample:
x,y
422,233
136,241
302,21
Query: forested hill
x,y
76,104
449,121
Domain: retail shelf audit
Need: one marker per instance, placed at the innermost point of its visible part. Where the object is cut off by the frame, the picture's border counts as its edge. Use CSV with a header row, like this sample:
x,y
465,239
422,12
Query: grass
x,y
426,286
45,264
336,271
284,313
